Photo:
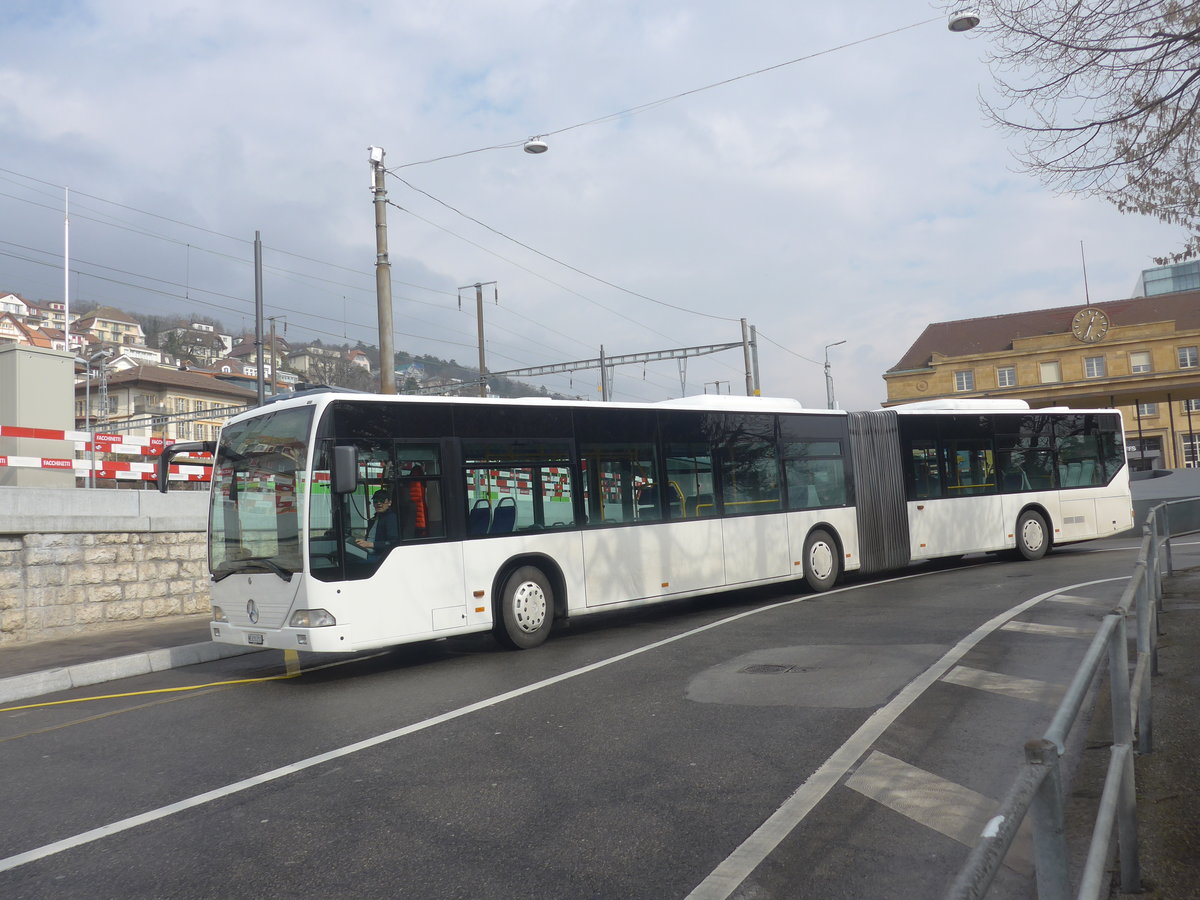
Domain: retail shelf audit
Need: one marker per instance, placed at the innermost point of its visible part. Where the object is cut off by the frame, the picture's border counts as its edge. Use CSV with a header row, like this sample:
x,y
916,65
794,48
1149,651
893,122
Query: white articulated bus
x,y
510,514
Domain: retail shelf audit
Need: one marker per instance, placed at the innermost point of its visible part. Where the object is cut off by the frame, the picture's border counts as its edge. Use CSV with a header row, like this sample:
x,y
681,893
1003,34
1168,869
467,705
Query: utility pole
x,y
750,391
754,355
258,315
383,276
274,362
479,285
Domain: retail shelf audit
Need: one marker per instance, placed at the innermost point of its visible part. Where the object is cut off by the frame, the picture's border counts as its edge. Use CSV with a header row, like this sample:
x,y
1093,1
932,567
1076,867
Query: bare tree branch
x,y
1104,96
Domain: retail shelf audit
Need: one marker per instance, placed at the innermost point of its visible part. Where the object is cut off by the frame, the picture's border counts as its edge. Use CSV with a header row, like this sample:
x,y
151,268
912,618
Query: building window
x,y
964,380
1093,367
1144,454
1139,361
1191,444
1147,409
1006,376
1188,358
1050,372
1191,405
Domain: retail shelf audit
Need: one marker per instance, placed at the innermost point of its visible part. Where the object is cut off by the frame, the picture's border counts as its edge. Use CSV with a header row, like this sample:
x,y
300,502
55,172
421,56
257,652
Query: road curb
x,y
49,681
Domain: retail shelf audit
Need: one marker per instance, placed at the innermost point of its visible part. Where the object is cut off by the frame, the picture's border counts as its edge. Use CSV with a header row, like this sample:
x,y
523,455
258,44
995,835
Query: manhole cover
x,y
771,669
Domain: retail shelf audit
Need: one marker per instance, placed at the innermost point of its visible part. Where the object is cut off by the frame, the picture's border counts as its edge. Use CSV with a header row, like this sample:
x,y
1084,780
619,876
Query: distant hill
x,y
425,372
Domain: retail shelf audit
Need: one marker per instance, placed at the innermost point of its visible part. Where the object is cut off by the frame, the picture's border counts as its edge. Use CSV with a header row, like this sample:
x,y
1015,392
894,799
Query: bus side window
x,y
689,468
926,481
535,476
1079,461
815,473
969,467
620,483
749,476
419,490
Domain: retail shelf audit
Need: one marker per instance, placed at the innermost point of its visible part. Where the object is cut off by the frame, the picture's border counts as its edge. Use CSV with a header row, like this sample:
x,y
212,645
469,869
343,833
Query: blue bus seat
x,y
480,517
505,518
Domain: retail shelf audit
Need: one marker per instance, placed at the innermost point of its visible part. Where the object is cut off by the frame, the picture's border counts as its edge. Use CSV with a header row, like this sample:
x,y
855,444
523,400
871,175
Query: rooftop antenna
x,y
1086,297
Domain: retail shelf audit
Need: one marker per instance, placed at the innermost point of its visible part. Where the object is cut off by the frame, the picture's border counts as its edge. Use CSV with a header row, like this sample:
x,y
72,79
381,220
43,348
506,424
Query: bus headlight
x,y
219,615
312,618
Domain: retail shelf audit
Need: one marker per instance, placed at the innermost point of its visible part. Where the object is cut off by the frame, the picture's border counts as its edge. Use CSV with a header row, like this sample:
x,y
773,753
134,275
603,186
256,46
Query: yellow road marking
x,y
97,717
291,660
171,690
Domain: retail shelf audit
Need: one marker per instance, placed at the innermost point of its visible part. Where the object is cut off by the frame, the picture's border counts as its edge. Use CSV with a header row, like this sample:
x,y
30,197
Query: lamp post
x,y
87,402
830,403
383,271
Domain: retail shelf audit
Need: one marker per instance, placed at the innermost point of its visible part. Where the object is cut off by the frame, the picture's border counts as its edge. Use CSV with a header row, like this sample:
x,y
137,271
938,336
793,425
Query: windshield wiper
x,y
252,563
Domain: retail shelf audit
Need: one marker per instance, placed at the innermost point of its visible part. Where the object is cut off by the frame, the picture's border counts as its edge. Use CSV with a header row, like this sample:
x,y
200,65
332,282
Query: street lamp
x,y
829,401
963,18
383,269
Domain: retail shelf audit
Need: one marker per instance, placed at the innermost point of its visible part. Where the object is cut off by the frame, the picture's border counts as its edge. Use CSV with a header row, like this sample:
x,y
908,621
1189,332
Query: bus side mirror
x,y
345,469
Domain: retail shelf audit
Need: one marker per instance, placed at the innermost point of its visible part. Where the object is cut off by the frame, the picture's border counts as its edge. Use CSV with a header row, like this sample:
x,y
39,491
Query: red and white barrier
x,y
102,443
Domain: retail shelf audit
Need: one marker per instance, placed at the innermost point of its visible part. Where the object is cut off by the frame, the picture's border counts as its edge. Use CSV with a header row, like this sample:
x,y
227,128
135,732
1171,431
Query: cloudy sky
x,y
853,195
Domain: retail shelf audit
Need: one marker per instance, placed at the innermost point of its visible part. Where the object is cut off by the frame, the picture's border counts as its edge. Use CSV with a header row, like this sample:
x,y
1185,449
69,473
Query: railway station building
x,y
1140,355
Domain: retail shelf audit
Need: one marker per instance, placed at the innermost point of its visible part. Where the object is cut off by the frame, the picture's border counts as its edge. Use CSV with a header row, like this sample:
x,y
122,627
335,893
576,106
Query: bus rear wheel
x,y
526,609
1033,538
822,561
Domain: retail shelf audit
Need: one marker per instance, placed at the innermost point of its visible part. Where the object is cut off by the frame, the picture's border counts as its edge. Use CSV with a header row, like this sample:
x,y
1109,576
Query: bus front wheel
x,y
1033,538
526,609
822,561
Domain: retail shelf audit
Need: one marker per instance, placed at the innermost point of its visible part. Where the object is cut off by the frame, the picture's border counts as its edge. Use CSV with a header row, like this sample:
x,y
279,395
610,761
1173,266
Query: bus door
x,y
627,552
754,531
970,515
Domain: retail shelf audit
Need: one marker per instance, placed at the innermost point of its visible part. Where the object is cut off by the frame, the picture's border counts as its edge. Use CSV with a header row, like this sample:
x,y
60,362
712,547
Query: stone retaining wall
x,y
118,559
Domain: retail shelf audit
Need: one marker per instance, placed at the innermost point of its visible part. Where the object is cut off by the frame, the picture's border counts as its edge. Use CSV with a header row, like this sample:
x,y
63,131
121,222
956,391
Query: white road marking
x,y
1008,685
1082,601
1067,631
943,806
727,877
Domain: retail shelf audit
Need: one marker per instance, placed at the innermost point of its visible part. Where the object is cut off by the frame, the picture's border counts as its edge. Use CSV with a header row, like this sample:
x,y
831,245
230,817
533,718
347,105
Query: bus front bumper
x,y
327,639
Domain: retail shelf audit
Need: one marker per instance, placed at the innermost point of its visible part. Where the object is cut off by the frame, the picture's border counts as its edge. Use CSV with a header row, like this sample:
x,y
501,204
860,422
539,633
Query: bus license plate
x,y
254,638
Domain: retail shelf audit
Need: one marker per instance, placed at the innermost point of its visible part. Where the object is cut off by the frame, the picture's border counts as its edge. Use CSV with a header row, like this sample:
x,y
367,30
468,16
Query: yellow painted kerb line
x,y
291,659
173,690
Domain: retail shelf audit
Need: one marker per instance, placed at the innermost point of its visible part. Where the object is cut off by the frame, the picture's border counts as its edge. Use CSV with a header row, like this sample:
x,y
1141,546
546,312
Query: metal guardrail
x,y
1037,791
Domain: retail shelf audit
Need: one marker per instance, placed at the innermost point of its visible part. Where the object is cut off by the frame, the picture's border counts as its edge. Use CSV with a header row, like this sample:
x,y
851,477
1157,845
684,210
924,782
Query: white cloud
x,y
854,195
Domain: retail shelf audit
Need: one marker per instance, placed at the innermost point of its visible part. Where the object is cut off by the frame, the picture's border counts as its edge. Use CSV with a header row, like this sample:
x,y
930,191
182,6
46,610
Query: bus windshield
x,y
258,493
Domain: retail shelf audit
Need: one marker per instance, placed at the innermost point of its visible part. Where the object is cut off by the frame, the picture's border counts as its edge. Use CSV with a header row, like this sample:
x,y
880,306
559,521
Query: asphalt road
x,y
759,744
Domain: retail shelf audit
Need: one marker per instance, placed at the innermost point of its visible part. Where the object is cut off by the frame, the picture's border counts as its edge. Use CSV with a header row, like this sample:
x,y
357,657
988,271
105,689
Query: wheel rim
x,y
820,560
529,606
1032,534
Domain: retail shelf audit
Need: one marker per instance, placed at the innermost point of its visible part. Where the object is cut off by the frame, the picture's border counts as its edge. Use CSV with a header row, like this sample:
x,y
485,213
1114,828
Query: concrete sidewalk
x,y
1168,779
31,670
